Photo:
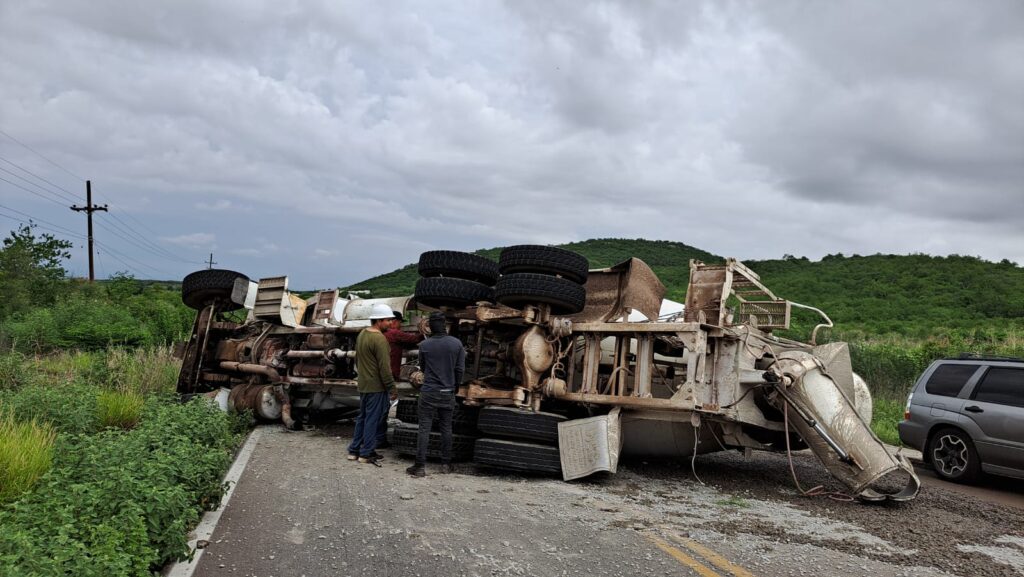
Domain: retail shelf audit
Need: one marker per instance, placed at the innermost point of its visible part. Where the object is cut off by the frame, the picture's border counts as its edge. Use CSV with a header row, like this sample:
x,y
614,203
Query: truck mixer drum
x,y
828,422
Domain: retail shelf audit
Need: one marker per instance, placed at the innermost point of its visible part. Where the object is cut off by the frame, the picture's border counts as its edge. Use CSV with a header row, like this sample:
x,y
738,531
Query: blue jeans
x,y
373,407
382,428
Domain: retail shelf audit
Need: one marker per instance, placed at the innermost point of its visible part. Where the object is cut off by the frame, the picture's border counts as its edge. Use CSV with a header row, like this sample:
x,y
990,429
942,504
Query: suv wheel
x,y
953,456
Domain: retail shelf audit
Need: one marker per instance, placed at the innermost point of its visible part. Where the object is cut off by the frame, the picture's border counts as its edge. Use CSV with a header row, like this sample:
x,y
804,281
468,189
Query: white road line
x,y
204,530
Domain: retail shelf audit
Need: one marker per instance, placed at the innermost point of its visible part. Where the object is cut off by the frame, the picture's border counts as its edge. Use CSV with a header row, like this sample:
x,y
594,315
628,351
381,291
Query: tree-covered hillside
x,y
910,295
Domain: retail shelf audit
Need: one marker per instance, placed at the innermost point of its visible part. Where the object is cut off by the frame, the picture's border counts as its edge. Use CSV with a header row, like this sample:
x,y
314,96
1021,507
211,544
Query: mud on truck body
x,y
567,368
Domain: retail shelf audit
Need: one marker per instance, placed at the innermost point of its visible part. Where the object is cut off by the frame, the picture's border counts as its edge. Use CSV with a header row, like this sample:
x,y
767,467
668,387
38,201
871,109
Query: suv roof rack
x,y
980,357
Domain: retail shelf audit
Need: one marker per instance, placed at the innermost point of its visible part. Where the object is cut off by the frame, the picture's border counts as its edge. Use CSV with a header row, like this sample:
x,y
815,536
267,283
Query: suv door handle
x,y
974,409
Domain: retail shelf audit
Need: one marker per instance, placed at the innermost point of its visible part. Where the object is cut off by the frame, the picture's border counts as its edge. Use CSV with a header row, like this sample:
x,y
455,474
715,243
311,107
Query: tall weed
x,y
144,371
891,364
121,410
13,370
26,451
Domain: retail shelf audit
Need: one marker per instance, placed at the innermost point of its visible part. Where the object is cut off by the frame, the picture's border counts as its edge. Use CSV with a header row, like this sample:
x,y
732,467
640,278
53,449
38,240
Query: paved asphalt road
x,y
300,509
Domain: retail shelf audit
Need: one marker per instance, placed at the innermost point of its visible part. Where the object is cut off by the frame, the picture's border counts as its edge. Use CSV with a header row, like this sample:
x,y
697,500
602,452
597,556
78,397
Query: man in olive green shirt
x,y
375,383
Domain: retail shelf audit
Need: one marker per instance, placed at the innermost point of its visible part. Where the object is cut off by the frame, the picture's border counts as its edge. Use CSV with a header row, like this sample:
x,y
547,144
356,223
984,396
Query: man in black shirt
x,y
443,360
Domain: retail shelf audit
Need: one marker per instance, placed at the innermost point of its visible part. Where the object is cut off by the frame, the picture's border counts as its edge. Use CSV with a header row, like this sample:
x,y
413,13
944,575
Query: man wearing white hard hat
x,y
375,384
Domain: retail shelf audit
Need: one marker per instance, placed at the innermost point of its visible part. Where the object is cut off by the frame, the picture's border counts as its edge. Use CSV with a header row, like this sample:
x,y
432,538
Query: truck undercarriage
x,y
566,367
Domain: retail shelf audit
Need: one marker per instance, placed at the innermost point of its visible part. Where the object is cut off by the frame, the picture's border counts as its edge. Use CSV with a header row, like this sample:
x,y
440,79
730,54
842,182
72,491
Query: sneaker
x,y
371,460
352,456
417,471
447,468
376,455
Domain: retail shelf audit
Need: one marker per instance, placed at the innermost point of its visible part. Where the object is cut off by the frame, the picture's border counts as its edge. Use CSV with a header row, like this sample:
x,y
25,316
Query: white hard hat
x,y
381,311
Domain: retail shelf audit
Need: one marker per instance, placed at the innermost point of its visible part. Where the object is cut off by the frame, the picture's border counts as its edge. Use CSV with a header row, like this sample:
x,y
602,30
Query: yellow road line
x,y
709,555
683,557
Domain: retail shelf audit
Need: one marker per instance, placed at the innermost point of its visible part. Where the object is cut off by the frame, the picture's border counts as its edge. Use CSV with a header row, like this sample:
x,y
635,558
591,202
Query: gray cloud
x,y
350,137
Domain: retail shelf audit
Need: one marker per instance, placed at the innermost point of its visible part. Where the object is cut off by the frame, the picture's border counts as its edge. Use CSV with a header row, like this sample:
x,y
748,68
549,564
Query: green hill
x,y
910,295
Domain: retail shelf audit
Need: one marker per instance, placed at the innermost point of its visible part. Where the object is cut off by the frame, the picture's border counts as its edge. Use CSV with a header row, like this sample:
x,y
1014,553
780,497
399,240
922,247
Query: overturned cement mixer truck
x,y
567,368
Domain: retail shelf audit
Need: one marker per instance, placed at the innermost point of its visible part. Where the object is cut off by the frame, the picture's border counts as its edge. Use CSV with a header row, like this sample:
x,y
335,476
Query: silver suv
x,y
966,416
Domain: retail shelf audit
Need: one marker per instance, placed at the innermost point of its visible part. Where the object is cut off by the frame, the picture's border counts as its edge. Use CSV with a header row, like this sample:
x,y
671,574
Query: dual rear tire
x,y
519,440
523,275
454,279
533,274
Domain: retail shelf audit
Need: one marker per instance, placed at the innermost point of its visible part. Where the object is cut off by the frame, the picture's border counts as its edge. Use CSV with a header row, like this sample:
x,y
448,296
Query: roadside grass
x,y
888,413
144,370
121,410
26,452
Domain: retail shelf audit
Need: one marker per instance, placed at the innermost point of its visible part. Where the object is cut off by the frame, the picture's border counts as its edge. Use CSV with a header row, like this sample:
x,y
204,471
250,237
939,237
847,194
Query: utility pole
x,y
211,262
88,209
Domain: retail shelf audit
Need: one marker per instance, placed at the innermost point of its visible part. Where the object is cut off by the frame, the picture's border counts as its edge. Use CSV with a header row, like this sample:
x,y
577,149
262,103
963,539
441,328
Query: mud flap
x,y
589,445
828,422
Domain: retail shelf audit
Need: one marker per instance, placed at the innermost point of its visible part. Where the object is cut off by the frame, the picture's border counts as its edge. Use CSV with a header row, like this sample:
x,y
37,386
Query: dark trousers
x,y
372,408
441,406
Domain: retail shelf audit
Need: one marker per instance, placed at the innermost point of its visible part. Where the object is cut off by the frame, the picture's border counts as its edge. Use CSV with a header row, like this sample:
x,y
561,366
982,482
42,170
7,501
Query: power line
x,y
112,251
40,155
103,269
30,183
129,267
35,219
152,246
20,220
32,191
61,230
129,229
130,240
23,169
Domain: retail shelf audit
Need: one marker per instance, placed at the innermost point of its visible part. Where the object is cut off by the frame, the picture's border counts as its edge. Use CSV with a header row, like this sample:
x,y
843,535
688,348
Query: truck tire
x,y
453,264
517,456
544,260
204,287
464,418
403,438
456,292
519,424
518,289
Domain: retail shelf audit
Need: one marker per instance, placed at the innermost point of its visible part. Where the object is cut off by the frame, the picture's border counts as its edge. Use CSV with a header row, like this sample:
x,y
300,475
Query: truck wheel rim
x,y
951,455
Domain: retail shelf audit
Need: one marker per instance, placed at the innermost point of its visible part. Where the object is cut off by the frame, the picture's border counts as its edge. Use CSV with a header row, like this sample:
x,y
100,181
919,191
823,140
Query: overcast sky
x,y
333,140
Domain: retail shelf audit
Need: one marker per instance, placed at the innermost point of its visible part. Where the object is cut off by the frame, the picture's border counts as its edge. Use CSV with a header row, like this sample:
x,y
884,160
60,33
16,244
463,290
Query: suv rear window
x,y
1001,385
949,379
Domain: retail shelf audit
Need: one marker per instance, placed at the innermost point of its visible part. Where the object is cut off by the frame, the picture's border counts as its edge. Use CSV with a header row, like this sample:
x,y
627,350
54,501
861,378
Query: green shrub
x,y
117,409
13,372
70,409
121,502
26,450
887,415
